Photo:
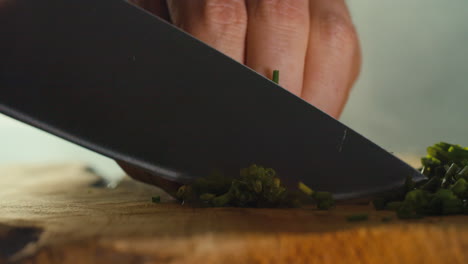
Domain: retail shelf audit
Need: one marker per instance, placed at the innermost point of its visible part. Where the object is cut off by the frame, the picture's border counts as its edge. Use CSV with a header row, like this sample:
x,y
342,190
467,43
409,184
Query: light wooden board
x,y
52,214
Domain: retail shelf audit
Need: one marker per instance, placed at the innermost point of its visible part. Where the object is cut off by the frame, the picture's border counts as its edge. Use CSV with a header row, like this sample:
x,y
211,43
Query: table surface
x,y
61,214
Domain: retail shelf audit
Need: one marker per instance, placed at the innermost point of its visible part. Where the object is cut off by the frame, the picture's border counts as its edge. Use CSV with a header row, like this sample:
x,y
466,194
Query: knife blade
x,y
113,78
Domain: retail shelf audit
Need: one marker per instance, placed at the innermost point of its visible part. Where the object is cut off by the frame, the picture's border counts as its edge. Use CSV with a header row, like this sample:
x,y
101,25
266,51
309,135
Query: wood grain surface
x,y
62,214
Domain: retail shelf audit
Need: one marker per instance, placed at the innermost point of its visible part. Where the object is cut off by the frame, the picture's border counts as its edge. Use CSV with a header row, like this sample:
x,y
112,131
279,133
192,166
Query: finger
x,y
221,24
277,38
333,56
157,7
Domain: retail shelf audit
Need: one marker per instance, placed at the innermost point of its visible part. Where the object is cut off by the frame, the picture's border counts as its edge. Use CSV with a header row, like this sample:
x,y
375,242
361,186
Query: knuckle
x,y
225,12
339,31
289,13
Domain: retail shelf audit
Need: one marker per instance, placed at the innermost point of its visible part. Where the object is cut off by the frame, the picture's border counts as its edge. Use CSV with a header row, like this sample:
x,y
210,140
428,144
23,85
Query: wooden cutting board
x,y
59,214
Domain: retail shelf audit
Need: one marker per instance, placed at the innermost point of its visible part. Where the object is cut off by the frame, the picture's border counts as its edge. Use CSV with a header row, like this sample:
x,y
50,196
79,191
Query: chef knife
x,y
113,78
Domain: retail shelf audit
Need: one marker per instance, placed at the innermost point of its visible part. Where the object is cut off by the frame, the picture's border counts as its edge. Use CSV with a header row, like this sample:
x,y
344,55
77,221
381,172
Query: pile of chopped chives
x,y
256,186
444,192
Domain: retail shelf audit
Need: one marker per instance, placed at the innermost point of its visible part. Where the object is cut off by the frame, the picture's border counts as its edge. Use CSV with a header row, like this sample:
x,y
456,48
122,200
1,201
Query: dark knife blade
x,y
115,79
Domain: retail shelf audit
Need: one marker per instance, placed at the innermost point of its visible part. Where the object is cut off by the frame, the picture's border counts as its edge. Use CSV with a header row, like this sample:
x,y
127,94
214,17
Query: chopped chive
x,y
386,219
357,217
393,206
276,76
379,203
407,211
156,199
460,188
305,189
463,173
425,171
207,196
452,170
324,200
222,200
432,185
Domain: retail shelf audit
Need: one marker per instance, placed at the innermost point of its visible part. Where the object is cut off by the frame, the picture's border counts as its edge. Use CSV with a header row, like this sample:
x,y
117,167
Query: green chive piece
x,y
269,172
305,189
386,219
407,211
457,152
379,203
432,185
463,173
393,206
326,204
207,197
181,191
445,202
156,199
451,171
276,76
324,200
253,169
222,200
258,186
460,188
445,191
276,182
357,217
430,161
424,171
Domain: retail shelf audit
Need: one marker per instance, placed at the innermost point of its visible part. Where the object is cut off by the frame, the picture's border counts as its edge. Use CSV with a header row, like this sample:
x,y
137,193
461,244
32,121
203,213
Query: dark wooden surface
x,y
57,214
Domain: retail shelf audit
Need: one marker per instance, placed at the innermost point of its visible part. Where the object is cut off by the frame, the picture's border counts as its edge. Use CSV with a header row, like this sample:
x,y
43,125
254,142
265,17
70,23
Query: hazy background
x,y
411,93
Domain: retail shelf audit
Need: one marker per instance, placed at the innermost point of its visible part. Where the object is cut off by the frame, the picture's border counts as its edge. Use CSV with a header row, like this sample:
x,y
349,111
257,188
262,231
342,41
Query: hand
x,y
312,43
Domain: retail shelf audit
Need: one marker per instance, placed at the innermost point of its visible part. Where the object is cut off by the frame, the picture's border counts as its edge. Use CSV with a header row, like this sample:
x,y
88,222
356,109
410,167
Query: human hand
x,y
312,43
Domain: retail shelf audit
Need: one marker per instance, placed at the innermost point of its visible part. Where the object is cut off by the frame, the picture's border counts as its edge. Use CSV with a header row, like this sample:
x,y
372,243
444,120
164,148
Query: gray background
x,y
411,92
